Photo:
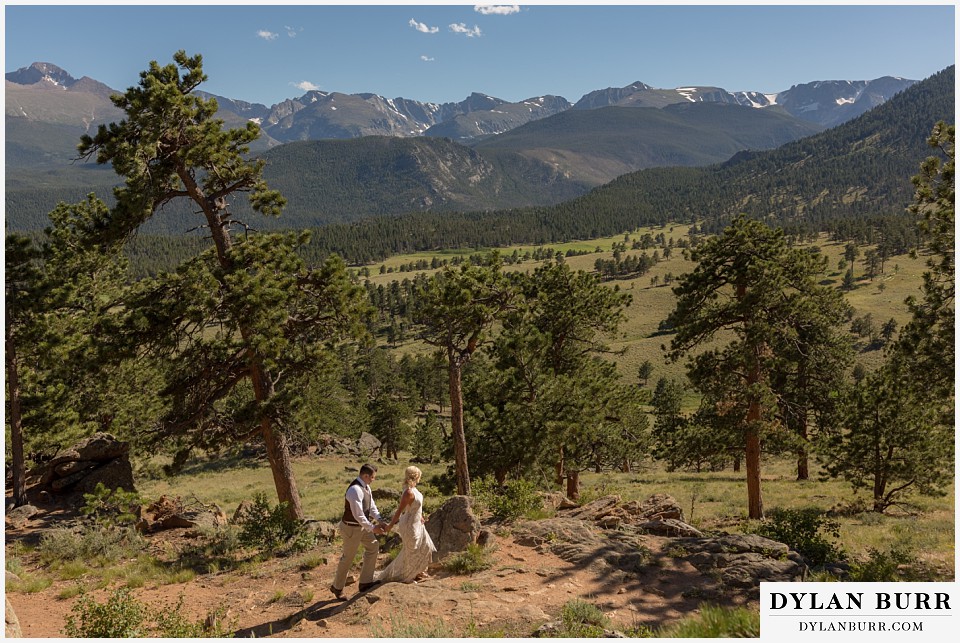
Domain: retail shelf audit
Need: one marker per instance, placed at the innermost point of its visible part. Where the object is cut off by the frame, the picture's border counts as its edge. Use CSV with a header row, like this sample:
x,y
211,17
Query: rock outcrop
x,y
659,514
100,458
742,561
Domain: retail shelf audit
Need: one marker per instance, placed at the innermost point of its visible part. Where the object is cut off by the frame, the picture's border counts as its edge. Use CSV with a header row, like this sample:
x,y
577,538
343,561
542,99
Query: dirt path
x,y
523,589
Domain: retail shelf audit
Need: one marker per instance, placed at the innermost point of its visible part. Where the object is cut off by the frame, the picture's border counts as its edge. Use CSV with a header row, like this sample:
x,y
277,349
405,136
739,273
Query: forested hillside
x,y
848,174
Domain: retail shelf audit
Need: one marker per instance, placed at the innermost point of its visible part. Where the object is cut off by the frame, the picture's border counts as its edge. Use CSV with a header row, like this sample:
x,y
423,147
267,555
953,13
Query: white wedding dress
x,y
417,550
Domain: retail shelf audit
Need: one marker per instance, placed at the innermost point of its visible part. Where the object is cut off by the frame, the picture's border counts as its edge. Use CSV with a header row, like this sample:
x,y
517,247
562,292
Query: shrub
x,y
582,620
474,558
94,544
884,567
511,500
273,530
121,616
111,506
716,622
805,531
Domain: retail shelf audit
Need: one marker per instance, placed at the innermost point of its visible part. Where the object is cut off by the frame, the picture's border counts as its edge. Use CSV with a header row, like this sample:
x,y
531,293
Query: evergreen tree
x,y
548,399
928,338
456,308
268,313
747,281
888,439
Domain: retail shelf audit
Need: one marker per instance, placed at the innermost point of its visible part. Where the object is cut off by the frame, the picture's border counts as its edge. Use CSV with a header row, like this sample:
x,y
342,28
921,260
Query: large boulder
x,y
453,526
368,444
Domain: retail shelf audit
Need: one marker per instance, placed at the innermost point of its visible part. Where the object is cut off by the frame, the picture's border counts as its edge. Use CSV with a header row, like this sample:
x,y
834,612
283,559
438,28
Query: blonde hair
x,y
411,476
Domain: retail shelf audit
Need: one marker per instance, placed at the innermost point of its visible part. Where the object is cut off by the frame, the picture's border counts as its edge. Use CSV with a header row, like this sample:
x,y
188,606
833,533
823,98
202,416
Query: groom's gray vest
x,y
348,513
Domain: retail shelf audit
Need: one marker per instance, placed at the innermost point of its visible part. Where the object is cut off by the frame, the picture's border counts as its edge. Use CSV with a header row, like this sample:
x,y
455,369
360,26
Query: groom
x,y
356,529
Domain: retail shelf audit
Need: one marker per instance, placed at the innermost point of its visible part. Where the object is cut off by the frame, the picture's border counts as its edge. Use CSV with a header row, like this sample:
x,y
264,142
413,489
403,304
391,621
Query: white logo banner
x,y
858,611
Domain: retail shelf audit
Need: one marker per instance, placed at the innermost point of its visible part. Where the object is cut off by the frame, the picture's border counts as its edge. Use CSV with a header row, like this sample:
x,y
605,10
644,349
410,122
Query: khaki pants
x,y
354,536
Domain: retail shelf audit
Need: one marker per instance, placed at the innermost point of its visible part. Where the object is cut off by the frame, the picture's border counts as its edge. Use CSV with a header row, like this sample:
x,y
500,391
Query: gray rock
x,y
12,630
486,538
368,444
20,516
324,530
68,468
243,509
669,527
453,526
116,474
579,542
201,519
100,447
743,561
660,506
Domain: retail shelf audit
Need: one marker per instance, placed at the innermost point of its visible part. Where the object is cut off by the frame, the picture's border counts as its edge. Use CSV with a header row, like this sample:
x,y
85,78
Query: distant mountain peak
x,y
41,72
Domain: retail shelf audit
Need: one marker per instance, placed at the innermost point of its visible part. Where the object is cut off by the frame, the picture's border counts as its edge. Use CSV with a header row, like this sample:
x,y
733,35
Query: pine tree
x,y
456,308
750,282
270,313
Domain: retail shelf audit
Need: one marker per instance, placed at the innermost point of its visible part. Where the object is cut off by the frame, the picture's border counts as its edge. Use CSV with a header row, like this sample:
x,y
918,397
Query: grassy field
x,y
883,298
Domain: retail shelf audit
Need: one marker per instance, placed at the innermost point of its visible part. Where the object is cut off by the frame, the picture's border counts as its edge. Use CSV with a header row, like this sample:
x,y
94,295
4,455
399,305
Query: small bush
x,y
716,622
582,620
97,544
805,531
884,567
111,506
509,501
28,584
121,616
401,629
272,530
474,558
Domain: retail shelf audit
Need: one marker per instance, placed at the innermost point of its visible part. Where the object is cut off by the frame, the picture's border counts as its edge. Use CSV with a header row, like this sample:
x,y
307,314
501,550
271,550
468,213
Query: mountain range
x,y
478,154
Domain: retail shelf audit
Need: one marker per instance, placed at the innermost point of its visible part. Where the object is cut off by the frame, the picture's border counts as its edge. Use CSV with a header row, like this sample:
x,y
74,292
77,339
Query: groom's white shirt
x,y
355,500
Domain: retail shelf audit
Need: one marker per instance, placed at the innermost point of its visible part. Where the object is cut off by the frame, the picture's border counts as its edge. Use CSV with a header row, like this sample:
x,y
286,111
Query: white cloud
x,y
422,28
462,28
292,31
306,86
266,35
427,59
497,9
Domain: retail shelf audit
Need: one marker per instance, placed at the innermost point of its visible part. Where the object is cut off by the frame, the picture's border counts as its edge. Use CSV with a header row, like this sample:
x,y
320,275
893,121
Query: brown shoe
x,y
336,592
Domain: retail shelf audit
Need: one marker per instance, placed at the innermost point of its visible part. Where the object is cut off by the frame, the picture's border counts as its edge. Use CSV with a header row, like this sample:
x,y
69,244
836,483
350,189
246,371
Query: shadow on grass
x,y
227,462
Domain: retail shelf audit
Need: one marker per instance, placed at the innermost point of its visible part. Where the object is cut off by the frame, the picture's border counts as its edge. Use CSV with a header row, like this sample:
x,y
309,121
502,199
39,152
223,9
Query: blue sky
x,y
442,53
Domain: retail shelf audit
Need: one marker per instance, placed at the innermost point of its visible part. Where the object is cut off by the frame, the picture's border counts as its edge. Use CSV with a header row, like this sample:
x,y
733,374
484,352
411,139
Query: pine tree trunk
x,y
573,485
19,481
456,425
736,463
558,468
278,451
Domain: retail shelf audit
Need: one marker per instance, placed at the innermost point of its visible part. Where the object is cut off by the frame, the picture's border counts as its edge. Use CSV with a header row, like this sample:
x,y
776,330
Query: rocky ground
x,y
635,578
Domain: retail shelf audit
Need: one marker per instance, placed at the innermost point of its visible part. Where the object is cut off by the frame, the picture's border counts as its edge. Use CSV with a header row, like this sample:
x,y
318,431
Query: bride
x,y
417,550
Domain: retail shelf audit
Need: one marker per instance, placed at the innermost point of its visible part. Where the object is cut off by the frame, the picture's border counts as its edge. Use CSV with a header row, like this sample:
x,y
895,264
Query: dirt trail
x,y
524,588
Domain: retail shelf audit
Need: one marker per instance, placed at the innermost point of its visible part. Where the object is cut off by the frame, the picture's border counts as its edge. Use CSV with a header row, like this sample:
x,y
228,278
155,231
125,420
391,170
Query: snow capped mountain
x,y
320,114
